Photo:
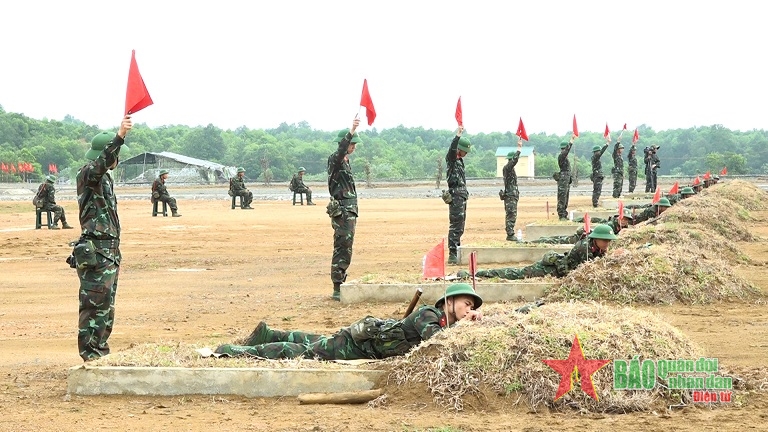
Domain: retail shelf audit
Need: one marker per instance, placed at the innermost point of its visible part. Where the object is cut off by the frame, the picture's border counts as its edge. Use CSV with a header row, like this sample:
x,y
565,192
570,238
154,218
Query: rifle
x,y
414,301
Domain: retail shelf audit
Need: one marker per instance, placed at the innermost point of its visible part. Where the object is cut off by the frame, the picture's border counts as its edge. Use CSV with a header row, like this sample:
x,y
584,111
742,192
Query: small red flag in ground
x,y
657,195
136,95
473,268
587,225
621,210
434,262
459,114
635,137
521,130
724,171
707,176
675,188
696,181
367,102
607,132
575,128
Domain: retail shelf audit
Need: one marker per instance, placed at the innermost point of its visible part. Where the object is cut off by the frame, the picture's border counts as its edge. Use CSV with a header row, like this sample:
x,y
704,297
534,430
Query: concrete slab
x,y
614,203
403,293
248,382
536,231
512,254
596,213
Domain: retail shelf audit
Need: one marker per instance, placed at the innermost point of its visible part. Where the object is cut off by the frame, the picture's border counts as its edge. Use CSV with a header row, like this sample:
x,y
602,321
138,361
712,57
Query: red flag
x,y
459,117
657,195
675,188
434,262
365,101
621,209
13,168
55,169
635,137
136,96
21,167
30,168
696,181
587,225
521,130
625,126
707,176
473,268
575,128
607,132
724,171
3,167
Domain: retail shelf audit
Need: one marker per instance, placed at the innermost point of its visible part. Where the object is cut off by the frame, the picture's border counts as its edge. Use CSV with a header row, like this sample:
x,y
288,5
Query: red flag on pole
x,y
21,167
587,224
724,171
607,132
635,137
367,102
521,130
55,169
13,168
459,114
473,268
657,195
434,262
575,128
675,188
3,167
136,96
50,168
625,126
696,181
621,210
707,176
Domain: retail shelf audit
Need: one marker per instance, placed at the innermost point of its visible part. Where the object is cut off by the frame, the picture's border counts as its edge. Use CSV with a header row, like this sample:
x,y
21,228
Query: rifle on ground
x,y
414,302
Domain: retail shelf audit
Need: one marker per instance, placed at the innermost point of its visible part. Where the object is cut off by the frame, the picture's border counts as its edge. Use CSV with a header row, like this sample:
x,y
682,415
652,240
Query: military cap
x,y
464,144
342,133
460,289
98,144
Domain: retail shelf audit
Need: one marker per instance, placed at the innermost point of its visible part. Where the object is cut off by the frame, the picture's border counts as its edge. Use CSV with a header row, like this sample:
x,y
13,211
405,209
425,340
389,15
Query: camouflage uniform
x,y
564,183
651,159
457,209
100,224
597,174
511,194
47,194
298,186
574,238
163,196
341,187
268,343
237,188
618,170
649,213
552,263
632,168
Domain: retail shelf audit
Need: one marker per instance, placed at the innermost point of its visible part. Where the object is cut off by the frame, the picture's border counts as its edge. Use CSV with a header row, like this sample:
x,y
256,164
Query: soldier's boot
x,y
65,225
175,213
54,226
453,259
511,238
336,291
260,335
310,203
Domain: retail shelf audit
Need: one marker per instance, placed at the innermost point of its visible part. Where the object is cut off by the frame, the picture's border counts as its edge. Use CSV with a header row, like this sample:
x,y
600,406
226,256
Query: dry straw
x,y
502,355
742,193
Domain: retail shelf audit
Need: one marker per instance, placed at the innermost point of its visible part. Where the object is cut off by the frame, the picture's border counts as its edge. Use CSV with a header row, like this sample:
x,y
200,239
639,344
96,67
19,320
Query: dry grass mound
x,y
664,274
503,353
719,215
746,194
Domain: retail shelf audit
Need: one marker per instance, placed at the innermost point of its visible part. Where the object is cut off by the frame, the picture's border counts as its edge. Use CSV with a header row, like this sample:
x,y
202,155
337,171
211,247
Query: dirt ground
x,y
272,263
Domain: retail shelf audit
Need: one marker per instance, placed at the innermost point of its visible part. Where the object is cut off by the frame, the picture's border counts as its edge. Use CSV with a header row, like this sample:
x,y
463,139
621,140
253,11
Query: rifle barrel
x,y
414,302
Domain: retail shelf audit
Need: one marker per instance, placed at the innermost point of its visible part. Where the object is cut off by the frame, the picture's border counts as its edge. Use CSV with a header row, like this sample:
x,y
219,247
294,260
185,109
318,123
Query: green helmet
x,y
240,170
564,144
301,169
342,133
664,202
460,289
595,148
162,171
602,231
464,144
621,146
627,214
98,144
687,191
511,155
50,178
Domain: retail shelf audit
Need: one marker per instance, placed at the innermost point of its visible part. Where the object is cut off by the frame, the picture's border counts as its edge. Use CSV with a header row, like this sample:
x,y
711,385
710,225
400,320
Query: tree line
x,y
399,153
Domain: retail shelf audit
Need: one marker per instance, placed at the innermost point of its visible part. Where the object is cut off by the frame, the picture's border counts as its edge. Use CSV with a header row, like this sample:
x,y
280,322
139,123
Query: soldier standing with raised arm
x,y
457,192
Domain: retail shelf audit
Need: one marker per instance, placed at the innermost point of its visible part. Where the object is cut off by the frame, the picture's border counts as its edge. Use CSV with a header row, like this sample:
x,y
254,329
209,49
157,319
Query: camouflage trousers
x,y
58,213
457,217
537,269
569,239
246,197
171,202
343,238
597,188
618,184
283,345
307,191
510,209
632,179
98,288
563,192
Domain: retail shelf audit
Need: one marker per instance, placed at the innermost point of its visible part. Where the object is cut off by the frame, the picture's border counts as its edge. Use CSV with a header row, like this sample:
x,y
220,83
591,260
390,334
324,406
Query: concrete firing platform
x,y
248,382
536,231
511,254
596,213
628,203
403,293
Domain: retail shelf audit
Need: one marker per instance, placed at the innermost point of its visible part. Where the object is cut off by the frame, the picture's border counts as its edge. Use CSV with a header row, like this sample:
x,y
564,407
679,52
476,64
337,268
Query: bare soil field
x,y
212,274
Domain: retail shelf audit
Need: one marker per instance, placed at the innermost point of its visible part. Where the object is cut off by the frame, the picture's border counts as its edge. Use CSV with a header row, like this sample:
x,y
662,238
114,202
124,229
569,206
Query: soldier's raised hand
x,y
355,124
460,131
125,126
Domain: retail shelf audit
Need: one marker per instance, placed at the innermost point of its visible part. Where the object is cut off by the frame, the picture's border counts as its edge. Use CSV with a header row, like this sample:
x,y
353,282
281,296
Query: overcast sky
x,y
666,64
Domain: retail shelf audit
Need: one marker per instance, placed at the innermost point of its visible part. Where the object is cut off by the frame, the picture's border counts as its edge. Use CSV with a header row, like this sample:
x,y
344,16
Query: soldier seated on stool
x,y
46,195
160,193
298,186
237,188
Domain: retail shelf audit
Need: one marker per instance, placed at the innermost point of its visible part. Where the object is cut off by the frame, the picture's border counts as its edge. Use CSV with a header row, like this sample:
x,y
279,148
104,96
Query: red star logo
x,y
576,363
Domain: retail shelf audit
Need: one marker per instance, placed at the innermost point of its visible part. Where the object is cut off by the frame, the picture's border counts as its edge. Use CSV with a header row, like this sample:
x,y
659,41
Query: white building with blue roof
x,y
525,165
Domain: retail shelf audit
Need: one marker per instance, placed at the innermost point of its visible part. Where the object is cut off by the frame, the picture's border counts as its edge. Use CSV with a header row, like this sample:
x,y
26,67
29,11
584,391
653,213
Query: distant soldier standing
x,y
343,206
237,188
632,167
46,194
458,194
597,172
511,192
618,169
564,178
160,193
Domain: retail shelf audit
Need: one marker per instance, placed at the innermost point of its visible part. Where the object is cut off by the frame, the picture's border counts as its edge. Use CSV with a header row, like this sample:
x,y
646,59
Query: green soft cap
x,y
240,170
464,144
98,144
664,202
162,171
602,231
50,178
687,191
342,133
564,144
460,289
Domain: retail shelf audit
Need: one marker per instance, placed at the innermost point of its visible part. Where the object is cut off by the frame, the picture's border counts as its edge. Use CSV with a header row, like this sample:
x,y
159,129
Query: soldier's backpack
x,y
382,338
229,192
291,186
37,201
